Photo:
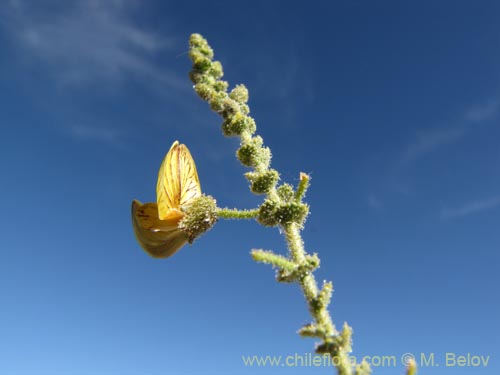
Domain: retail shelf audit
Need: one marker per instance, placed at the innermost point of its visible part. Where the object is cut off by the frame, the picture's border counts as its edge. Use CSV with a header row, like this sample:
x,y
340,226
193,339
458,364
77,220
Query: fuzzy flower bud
x,y
240,94
215,69
252,154
285,192
262,183
237,124
199,216
203,90
197,42
267,213
292,212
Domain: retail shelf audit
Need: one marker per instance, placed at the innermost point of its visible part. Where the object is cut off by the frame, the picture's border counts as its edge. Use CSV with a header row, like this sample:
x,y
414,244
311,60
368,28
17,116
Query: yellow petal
x,y
178,181
159,238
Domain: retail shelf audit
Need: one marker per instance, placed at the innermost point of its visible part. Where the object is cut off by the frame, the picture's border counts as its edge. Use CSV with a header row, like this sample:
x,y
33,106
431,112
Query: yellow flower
x,y
156,225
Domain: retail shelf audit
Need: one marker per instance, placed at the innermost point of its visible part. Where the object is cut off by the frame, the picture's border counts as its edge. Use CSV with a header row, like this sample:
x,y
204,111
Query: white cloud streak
x,y
98,134
471,208
483,112
88,42
430,141
92,44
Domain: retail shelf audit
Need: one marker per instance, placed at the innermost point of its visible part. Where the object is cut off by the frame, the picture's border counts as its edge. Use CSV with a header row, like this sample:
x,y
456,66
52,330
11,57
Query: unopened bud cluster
x,y
279,208
273,212
282,206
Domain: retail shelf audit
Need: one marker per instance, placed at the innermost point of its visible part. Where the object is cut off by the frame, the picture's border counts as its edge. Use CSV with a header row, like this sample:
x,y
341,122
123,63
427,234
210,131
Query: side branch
x,y
233,213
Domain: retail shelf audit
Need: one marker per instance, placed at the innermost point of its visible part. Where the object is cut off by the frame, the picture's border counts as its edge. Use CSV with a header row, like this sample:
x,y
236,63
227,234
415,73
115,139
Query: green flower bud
x,y
267,213
237,124
204,91
231,107
197,42
313,262
195,77
262,183
200,216
292,212
220,86
240,94
253,155
201,63
246,154
285,192
216,70
217,101
331,346
245,109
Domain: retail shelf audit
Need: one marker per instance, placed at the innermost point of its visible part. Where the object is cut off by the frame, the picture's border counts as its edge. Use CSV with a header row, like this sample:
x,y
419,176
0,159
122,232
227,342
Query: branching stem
x,y
283,206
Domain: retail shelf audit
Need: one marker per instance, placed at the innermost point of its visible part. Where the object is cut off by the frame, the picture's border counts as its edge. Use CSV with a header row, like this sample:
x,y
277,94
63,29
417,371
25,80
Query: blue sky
x,y
392,107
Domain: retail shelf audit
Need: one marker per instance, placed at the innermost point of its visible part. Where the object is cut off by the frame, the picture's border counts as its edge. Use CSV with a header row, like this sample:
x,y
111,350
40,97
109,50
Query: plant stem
x,y
233,213
282,205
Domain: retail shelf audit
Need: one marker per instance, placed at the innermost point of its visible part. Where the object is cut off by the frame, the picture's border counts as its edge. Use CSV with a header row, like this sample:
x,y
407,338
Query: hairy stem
x,y
283,206
233,213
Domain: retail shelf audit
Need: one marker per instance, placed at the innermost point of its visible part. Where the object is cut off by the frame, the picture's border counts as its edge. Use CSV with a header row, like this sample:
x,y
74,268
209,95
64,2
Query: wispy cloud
x,y
431,140
88,41
483,112
97,134
373,201
427,141
471,208
91,44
